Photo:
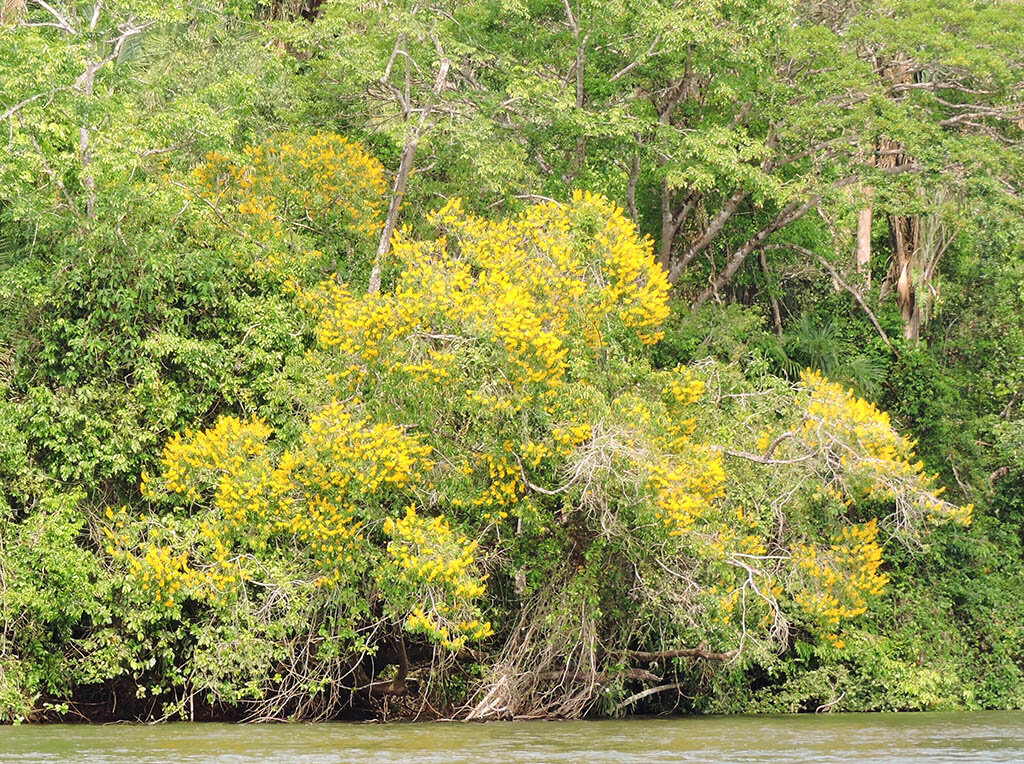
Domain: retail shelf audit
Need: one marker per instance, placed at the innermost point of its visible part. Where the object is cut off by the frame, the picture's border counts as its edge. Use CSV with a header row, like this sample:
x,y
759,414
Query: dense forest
x,y
518,359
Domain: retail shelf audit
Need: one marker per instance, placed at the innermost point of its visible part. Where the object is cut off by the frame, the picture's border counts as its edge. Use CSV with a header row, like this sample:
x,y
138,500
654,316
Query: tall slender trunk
x,y
86,83
668,227
791,212
10,11
579,152
405,166
904,230
776,312
863,258
670,220
634,178
717,223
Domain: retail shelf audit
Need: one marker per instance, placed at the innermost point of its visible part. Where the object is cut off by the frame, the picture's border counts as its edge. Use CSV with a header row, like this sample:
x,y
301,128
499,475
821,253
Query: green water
x,y
981,738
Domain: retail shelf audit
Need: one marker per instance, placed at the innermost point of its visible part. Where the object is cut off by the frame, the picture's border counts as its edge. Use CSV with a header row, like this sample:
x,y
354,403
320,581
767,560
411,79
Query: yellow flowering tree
x,y
825,480
489,459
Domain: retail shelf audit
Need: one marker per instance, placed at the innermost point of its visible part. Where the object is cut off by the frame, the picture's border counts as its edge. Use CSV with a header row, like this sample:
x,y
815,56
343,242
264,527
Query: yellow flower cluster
x,y
438,564
503,485
316,178
568,437
347,453
558,253
225,448
687,479
310,504
838,581
874,457
163,573
534,453
683,388
433,367
292,183
311,493
686,488
524,285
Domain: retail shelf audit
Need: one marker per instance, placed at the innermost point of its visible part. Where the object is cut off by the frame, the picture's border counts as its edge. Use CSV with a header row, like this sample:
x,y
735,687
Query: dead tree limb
x,y
839,280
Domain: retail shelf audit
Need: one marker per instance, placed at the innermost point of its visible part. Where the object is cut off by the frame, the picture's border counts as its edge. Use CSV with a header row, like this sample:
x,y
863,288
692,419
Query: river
x,y
932,738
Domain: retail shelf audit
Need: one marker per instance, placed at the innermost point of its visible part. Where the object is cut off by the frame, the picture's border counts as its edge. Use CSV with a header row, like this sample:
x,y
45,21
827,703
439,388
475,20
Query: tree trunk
x,y
717,223
670,221
905,236
10,11
862,259
405,166
776,312
864,236
791,212
86,84
904,230
634,178
397,194
713,229
668,227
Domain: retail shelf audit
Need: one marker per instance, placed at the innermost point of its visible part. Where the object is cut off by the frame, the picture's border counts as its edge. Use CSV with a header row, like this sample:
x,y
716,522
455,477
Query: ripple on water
x,y
963,738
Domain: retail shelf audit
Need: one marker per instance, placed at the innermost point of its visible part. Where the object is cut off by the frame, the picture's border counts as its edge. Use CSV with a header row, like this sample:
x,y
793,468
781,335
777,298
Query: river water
x,y
933,738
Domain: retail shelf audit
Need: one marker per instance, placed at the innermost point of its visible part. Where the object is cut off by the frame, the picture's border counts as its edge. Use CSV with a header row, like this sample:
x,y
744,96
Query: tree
x,y
494,419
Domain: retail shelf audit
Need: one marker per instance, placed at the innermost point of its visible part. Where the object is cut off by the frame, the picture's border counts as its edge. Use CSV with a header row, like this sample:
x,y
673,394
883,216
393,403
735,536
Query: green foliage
x,y
731,333
52,587
132,338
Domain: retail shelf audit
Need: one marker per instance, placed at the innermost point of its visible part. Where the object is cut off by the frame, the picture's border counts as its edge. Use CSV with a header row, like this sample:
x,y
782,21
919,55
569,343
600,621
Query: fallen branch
x,y
396,686
642,675
758,459
686,652
647,693
998,475
826,706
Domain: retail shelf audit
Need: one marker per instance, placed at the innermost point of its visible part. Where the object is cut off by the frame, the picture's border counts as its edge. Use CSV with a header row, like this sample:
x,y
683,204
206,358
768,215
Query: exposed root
x,y
548,669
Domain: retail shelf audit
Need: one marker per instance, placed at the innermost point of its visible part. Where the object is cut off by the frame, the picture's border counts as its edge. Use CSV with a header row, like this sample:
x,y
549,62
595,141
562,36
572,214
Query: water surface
x,y
977,738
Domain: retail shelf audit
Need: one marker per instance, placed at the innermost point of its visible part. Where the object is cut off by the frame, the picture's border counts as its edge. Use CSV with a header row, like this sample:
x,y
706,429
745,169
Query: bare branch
x,y
789,214
635,63
712,231
647,693
573,23
402,177
757,458
686,652
62,21
22,104
839,280
220,217
50,171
